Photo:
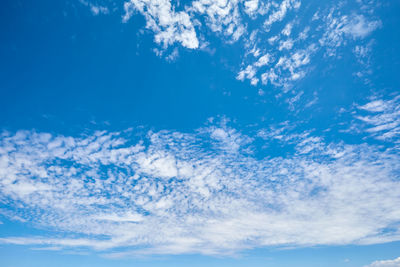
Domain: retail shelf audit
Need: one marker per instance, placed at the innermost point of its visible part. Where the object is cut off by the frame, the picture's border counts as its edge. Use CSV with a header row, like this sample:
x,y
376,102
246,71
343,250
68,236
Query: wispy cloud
x,y
202,192
385,263
355,26
96,9
380,118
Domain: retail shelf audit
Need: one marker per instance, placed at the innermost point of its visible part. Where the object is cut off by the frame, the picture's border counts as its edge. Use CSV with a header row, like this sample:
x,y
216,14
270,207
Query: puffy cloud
x,y
251,6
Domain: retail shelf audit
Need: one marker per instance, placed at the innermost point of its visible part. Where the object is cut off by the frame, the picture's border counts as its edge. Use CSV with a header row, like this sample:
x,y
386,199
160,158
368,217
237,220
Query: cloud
x,y
281,11
205,192
96,9
385,263
221,16
308,36
168,26
282,72
355,26
249,23
380,118
251,6
359,27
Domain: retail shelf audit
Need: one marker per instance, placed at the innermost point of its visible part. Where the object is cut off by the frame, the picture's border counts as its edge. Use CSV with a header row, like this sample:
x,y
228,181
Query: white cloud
x,y
326,32
281,67
250,21
202,192
222,16
288,29
272,39
95,8
289,68
281,11
287,44
263,60
168,26
251,6
355,26
385,263
359,27
248,73
381,118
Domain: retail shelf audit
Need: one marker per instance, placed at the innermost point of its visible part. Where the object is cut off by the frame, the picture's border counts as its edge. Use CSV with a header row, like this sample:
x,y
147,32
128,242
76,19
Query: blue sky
x,y
218,133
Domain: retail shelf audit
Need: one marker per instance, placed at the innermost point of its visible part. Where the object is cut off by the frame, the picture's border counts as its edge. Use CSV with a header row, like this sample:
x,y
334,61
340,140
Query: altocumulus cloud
x,y
282,41
205,192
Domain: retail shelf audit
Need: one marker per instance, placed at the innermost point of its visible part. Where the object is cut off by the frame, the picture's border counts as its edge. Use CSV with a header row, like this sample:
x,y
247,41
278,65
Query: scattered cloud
x,y
323,33
249,23
202,192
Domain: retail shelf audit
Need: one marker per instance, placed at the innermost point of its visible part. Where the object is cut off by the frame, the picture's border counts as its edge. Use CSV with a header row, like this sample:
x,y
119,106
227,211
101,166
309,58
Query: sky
x,y
202,133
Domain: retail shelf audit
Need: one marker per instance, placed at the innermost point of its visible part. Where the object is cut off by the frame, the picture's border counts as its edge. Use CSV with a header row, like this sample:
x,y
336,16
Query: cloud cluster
x,y
280,39
292,46
202,192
